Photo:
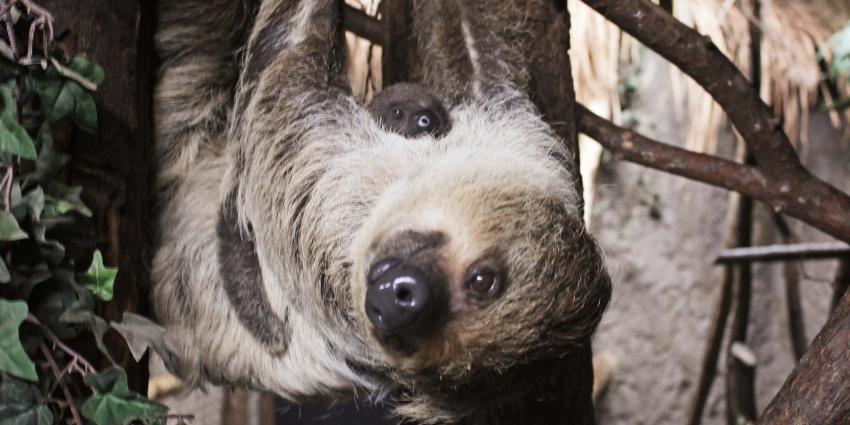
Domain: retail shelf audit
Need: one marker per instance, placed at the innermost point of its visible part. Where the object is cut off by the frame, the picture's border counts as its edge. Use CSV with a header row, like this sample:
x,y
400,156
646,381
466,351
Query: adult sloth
x,y
305,250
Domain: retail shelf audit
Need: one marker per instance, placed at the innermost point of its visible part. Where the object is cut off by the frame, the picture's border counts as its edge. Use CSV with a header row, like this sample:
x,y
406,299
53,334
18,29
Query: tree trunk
x,y
113,165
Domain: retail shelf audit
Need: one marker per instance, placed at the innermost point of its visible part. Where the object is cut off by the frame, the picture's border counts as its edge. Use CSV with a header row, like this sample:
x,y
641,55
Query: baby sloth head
x,y
476,261
411,110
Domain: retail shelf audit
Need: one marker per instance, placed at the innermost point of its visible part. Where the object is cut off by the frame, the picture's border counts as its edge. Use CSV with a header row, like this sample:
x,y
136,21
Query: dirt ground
x,y
661,234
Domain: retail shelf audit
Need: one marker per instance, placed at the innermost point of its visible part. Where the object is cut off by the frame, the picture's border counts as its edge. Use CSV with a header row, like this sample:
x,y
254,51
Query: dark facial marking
x,y
240,270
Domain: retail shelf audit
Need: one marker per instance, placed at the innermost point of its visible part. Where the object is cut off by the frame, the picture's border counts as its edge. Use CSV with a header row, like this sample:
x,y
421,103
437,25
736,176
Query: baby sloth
x,y
411,110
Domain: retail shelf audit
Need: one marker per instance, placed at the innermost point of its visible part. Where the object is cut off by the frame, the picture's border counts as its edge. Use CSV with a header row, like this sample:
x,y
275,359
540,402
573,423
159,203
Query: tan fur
x,y
318,186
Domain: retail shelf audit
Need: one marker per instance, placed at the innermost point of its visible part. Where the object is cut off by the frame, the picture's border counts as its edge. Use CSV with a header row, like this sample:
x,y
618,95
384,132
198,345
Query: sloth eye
x,y
483,283
397,113
424,121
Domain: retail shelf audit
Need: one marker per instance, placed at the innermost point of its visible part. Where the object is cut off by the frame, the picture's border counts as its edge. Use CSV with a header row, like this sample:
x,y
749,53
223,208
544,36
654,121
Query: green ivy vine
x,y
46,304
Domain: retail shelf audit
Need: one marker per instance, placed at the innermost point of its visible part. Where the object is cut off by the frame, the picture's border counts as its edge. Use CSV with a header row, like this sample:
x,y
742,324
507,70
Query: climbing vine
x,y
48,303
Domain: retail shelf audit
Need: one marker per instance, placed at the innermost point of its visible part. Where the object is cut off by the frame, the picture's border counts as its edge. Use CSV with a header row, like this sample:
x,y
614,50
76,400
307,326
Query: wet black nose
x,y
398,296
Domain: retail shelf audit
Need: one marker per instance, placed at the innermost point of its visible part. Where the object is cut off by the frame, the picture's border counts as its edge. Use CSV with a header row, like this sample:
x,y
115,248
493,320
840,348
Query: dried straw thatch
x,y
793,31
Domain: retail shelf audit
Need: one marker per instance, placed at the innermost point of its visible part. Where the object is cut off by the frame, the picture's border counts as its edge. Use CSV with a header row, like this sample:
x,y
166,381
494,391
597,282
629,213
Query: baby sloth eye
x,y
483,284
398,113
424,121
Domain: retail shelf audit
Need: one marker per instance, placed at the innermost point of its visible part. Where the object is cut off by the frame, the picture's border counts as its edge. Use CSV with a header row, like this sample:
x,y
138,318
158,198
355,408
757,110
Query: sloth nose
x,y
398,297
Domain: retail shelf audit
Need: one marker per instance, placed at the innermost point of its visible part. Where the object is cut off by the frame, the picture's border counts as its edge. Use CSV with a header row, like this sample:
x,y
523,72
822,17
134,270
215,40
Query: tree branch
x,y
814,201
817,390
796,319
635,147
800,251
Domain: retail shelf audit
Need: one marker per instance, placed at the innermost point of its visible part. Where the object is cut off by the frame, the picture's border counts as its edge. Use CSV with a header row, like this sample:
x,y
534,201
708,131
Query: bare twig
x,y
781,252
6,18
75,356
796,322
46,352
712,348
181,419
841,283
70,73
795,189
43,21
740,385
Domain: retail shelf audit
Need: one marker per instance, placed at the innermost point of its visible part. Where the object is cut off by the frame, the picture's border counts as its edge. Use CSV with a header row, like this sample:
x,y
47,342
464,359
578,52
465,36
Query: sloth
x,y
306,249
411,110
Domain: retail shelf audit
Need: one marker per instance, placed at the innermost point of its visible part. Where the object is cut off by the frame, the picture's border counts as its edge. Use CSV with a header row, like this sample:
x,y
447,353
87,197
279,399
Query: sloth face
x,y
475,260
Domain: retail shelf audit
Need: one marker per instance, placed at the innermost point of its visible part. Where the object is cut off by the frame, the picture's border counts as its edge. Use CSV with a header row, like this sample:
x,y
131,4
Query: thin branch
x,y
841,283
781,252
712,348
740,385
59,376
75,356
70,73
814,201
796,321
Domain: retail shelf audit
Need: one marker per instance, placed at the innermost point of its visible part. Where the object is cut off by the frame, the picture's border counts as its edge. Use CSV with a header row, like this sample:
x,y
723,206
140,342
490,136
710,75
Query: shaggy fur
x,y
278,191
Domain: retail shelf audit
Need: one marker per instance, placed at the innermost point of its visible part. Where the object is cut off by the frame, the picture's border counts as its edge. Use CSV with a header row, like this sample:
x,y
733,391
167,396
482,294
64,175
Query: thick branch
x,y
817,391
634,147
800,251
699,58
747,180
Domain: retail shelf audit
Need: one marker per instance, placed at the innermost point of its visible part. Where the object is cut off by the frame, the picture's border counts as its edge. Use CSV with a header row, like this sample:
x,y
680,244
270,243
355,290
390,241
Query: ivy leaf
x,y
13,358
98,278
67,198
9,229
34,203
88,69
21,404
32,276
114,404
13,138
82,312
57,100
50,249
85,112
61,96
140,333
5,277
49,160
48,301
